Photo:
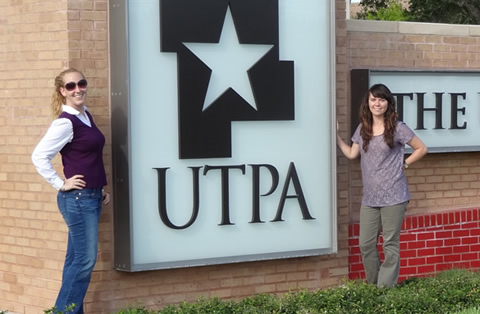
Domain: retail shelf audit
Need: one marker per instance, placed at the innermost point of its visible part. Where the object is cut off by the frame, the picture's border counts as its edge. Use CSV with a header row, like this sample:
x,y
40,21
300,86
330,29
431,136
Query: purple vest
x,y
83,155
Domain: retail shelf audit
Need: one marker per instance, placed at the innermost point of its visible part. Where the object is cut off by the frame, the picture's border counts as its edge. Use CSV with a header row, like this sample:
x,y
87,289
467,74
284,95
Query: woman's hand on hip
x,y
73,183
106,197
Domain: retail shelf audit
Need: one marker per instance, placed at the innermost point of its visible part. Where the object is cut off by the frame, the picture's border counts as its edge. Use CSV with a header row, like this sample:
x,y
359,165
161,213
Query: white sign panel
x,y
442,107
231,149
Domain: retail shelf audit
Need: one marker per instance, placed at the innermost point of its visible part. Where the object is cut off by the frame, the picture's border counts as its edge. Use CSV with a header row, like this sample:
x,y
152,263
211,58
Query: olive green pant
x,y
389,220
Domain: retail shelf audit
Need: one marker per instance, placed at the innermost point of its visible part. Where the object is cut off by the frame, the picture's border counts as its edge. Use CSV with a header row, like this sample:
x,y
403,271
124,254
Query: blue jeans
x,y
81,211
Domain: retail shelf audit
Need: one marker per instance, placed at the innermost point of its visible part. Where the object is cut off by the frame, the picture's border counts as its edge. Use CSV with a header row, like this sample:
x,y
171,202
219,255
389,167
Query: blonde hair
x,y
57,98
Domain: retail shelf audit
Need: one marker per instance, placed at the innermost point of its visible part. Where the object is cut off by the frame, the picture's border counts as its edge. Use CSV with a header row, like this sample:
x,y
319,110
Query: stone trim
x,y
412,28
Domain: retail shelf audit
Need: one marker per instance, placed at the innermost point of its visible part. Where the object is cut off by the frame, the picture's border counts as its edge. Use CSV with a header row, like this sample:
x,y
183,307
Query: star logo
x,y
230,62
228,69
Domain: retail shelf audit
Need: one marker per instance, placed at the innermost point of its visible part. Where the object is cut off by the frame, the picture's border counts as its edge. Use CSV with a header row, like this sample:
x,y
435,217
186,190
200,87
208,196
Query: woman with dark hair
x,y
75,136
380,141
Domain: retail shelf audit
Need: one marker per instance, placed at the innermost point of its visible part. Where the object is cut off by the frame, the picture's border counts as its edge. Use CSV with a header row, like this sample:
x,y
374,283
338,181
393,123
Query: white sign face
x,y
443,108
231,125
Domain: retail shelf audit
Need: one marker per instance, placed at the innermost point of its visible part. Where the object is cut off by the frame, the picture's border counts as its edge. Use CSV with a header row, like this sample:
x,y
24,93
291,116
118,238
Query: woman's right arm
x,y
351,152
58,135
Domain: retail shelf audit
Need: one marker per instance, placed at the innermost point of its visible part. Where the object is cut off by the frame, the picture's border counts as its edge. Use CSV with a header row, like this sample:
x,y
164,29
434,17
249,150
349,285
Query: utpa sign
x,y
226,160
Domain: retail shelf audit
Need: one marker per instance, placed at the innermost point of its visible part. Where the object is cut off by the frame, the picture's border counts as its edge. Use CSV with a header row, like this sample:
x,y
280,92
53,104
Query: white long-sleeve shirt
x,y
58,135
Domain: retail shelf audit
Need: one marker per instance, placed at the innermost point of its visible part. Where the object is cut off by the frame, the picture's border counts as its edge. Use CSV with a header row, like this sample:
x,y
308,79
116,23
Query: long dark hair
x,y
389,118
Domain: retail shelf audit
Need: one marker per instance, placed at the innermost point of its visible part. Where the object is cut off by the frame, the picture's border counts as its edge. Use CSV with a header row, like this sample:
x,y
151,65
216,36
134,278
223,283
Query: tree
x,y
389,10
394,12
445,11
433,11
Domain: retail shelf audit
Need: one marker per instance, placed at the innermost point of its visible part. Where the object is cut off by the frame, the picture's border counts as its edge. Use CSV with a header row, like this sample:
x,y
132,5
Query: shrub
x,y
453,291
54,310
394,12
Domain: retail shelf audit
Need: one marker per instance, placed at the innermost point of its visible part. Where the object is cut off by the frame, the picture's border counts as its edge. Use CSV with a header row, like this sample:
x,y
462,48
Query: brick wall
x,y
38,38
429,243
31,233
440,183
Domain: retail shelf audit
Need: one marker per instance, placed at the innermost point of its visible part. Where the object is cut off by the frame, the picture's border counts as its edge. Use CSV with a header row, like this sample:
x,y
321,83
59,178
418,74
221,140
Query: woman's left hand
x,y
106,197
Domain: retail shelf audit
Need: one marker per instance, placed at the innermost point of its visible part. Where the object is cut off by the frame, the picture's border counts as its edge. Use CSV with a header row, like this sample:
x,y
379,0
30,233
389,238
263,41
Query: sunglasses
x,y
82,84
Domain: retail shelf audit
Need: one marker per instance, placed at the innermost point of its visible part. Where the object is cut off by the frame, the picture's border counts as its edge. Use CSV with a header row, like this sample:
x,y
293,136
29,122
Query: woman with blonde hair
x,y
75,136
380,141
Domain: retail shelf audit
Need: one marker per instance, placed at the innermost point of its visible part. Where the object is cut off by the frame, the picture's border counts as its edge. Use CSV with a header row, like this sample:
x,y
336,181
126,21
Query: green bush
x,y
394,12
474,310
68,309
136,310
453,291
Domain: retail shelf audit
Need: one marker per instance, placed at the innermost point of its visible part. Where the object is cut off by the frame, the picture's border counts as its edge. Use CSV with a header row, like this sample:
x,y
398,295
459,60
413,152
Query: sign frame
x,y
122,154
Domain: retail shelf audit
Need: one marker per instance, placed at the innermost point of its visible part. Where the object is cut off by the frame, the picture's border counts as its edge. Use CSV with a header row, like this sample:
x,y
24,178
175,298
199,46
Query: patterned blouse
x,y
384,182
